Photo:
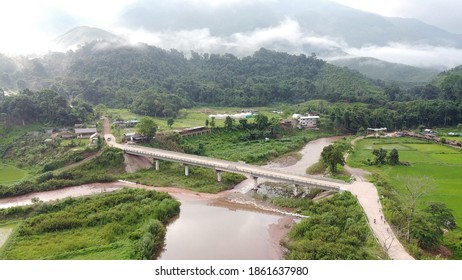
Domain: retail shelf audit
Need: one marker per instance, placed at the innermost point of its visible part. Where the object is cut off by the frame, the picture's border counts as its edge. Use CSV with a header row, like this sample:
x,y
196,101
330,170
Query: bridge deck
x,y
229,166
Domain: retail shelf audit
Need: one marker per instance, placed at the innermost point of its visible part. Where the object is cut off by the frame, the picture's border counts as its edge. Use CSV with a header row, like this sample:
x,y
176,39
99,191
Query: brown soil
x,y
284,161
4,234
278,234
135,163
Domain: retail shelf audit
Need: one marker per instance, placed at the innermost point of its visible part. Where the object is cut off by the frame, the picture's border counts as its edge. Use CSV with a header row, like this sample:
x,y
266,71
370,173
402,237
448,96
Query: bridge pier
x,y
186,170
253,172
255,181
219,178
157,164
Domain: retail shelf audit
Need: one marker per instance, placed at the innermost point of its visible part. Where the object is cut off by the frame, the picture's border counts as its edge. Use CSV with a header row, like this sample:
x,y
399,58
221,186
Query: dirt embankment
x,y
278,234
4,234
135,163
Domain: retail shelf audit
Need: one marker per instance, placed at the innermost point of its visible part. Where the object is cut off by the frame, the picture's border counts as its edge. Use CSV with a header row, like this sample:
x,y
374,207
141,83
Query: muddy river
x,y
230,225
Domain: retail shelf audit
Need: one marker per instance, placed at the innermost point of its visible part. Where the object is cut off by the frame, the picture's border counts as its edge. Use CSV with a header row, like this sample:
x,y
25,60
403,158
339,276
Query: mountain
x,y
127,74
81,35
319,18
393,72
326,28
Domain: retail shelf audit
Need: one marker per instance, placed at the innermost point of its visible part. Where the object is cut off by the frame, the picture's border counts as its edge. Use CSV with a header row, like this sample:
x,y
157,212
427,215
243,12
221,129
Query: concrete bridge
x,y
234,167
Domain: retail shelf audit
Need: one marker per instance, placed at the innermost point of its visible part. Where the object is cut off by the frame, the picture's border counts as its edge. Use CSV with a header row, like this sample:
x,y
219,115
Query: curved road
x,y
368,198
223,165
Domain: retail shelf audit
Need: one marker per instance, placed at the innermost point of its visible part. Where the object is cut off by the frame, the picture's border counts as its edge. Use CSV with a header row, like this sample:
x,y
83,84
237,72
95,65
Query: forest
x,y
154,82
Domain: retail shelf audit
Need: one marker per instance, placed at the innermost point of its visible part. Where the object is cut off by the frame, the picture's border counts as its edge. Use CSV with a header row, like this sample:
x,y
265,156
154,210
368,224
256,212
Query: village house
x,y
199,130
85,132
67,135
132,123
308,121
129,123
134,137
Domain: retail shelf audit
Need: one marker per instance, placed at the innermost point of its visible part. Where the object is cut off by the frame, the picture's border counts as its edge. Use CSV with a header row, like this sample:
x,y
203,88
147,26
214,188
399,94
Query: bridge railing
x,y
232,167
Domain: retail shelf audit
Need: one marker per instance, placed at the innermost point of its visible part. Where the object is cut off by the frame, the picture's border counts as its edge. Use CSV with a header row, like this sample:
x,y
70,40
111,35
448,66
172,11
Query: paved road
x,y
365,192
223,165
368,197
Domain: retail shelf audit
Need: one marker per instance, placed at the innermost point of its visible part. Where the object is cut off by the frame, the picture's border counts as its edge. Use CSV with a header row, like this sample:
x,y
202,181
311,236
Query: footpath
x,y
368,198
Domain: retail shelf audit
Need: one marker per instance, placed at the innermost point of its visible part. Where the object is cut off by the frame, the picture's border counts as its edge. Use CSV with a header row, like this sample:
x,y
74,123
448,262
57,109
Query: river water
x,y
204,231
229,225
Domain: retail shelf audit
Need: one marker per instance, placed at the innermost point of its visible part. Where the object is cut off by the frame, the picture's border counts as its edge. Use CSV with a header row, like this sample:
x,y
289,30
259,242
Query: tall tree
x,y
170,122
261,121
380,156
333,155
229,122
147,127
212,122
415,188
393,158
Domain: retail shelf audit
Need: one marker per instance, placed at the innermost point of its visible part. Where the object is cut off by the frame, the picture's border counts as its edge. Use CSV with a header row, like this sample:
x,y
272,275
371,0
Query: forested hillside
x,y
119,76
156,82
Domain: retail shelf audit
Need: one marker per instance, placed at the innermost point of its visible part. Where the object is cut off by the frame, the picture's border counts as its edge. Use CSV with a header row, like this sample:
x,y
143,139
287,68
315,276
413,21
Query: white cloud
x,y
288,32
23,22
420,56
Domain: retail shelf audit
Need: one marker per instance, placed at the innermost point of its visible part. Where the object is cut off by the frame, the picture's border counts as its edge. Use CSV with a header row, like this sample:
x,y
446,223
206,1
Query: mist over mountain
x,y
83,34
377,69
315,17
328,29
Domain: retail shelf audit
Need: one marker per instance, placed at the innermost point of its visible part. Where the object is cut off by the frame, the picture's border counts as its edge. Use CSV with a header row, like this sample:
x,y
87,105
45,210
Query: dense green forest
x,y
131,76
155,82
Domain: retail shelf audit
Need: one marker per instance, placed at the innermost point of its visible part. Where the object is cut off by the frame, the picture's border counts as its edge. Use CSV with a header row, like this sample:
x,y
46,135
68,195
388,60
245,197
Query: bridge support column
x,y
255,181
219,178
186,170
157,164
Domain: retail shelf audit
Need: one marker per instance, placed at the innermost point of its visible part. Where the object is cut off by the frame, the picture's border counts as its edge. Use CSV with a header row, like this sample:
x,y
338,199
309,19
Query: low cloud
x,y
287,35
415,55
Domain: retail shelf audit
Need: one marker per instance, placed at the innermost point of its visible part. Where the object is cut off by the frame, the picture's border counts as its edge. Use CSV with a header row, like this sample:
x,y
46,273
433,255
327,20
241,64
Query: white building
x,y
306,121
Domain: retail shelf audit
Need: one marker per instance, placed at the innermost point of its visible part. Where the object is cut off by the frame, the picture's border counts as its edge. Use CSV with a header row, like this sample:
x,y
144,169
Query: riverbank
x,y
233,204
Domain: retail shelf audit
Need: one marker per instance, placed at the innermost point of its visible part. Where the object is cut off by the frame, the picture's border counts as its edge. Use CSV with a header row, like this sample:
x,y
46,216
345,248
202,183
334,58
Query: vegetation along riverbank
x,y
126,224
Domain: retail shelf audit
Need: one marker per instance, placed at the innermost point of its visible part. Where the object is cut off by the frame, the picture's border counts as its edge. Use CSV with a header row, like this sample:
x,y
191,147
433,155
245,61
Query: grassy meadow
x,y
10,174
190,117
441,163
229,145
172,175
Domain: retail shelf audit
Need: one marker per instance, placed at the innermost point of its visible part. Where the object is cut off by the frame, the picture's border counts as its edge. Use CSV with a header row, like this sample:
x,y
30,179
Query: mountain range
x,y
401,50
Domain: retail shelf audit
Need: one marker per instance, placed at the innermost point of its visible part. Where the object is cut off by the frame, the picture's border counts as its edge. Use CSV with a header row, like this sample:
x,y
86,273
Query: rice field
x,y
441,163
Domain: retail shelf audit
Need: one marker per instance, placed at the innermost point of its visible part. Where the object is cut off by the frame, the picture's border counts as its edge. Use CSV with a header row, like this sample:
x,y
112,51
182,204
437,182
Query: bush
x,y
317,168
53,165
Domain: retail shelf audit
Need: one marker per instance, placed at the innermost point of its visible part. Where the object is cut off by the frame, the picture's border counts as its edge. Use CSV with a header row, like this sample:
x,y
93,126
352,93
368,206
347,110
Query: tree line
x,y
45,106
155,82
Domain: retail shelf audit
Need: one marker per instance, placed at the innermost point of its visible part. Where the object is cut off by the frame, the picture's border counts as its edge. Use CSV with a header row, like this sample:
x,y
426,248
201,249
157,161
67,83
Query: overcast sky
x,y
446,14
30,25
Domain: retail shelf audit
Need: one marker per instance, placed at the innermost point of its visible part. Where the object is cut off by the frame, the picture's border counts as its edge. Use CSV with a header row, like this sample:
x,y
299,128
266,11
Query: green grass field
x,y
190,117
172,175
443,133
441,163
10,174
